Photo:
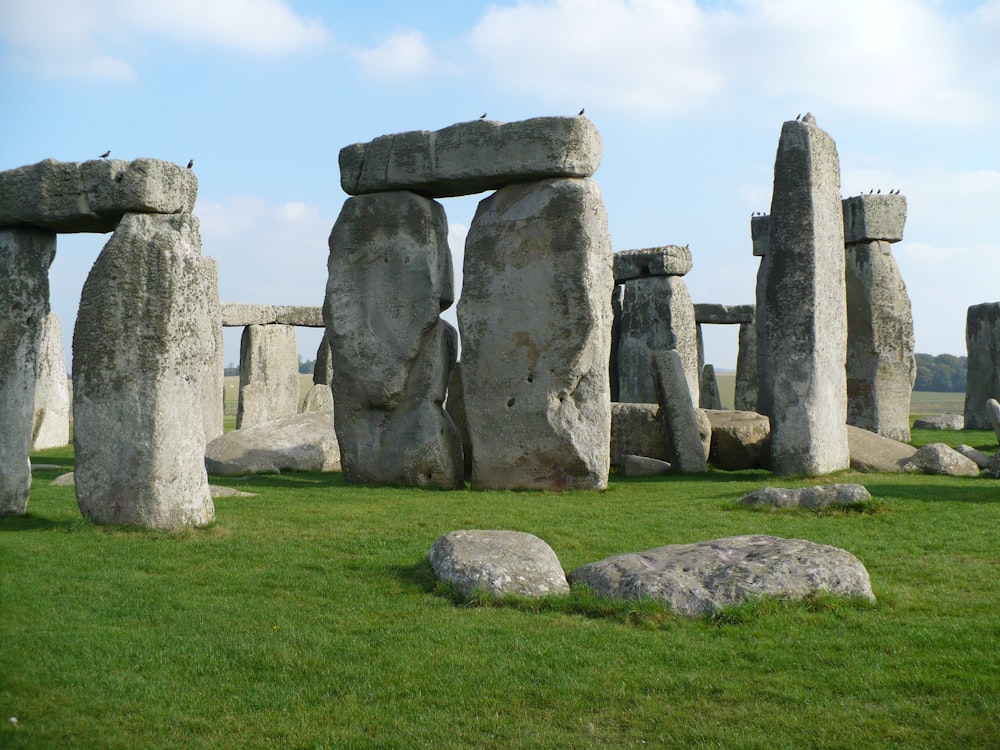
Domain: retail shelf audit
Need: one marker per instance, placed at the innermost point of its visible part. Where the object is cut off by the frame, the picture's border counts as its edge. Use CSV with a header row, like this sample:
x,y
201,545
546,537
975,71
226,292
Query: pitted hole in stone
x,y
510,402
644,270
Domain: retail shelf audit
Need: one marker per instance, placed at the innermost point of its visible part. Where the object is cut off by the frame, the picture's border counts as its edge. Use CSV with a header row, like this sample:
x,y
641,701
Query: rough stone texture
x,y
745,396
669,260
636,429
535,316
25,257
698,579
871,452
471,157
723,314
805,325
92,196
301,442
760,235
680,418
141,347
740,440
993,470
993,414
318,398
982,342
812,498
940,422
455,406
938,458
213,383
498,563
50,422
881,367
390,276
874,218
323,370
657,315
237,314
709,396
617,297
982,460
269,375
765,397
643,466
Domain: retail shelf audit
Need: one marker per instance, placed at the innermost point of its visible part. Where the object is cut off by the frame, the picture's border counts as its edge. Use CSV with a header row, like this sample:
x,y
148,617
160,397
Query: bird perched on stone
x,y
106,154
798,116
580,113
878,192
482,116
190,163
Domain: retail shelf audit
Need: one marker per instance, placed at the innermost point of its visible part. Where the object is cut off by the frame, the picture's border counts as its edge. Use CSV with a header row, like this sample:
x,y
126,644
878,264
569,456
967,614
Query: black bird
x,y
871,191
190,163
580,113
798,116
878,192
106,154
482,116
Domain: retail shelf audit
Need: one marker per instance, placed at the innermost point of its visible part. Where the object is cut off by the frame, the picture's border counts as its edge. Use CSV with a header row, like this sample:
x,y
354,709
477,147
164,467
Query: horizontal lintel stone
x,y
472,157
707,312
669,260
92,196
246,314
868,218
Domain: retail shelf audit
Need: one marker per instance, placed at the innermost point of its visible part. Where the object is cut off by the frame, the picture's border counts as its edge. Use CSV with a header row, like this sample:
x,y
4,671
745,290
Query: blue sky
x,y
689,98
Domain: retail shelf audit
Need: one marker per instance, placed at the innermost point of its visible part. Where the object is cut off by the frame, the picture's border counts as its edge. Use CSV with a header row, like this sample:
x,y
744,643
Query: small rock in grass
x,y
643,466
820,496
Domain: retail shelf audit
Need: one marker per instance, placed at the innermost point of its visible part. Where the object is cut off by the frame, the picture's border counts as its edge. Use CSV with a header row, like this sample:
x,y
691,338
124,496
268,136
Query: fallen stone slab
x,y
723,314
982,460
300,442
669,260
640,430
940,422
497,562
993,413
680,418
811,498
92,196
64,480
938,458
701,578
236,314
643,466
471,157
871,452
740,440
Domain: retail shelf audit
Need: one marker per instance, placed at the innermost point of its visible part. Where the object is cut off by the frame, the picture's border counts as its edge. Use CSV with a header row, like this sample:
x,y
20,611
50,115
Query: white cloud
x,y
92,38
402,56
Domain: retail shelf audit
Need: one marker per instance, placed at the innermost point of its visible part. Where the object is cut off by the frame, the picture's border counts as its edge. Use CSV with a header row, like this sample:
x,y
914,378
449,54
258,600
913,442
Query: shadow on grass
x,y
971,491
28,522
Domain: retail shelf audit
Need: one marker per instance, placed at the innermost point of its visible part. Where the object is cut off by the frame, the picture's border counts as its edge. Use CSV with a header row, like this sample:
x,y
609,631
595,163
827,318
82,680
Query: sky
x,y
689,98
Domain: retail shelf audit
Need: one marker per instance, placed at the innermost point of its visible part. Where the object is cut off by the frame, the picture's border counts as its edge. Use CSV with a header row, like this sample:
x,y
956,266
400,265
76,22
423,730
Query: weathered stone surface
x,y
300,442
669,260
643,466
50,423
617,297
25,257
881,366
805,324
993,414
745,396
680,418
535,316
213,382
982,343
455,406
874,218
141,346
740,440
698,579
812,498
323,370
498,563
390,275
993,470
657,315
940,422
471,157
760,235
871,452
637,430
64,480
982,460
92,196
269,375
318,398
723,314
709,390
938,458
236,314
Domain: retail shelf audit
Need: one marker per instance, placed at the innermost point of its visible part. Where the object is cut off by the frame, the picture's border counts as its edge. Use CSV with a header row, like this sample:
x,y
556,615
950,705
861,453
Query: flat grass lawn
x,y
307,617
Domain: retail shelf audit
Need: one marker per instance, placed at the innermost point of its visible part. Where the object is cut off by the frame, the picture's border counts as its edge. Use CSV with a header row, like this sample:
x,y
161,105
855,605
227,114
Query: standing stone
x,y
657,315
805,323
455,406
25,257
678,414
141,346
390,276
214,384
746,395
269,375
617,298
710,397
50,423
993,415
881,366
535,316
760,234
323,370
982,341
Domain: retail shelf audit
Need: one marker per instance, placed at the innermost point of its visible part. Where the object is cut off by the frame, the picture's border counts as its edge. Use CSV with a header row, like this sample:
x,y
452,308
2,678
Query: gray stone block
x,y
723,314
50,423
678,413
269,375
982,343
873,218
669,260
760,235
236,314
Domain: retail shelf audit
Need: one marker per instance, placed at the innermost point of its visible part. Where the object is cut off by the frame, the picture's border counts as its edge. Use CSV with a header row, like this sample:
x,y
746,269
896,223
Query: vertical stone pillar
x,y
804,324
982,340
269,374
50,423
745,397
535,316
390,276
25,257
881,366
214,385
760,235
710,397
142,344
617,298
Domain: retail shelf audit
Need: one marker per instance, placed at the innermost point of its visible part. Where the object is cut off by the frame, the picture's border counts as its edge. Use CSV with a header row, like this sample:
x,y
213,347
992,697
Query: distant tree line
x,y
944,372
306,367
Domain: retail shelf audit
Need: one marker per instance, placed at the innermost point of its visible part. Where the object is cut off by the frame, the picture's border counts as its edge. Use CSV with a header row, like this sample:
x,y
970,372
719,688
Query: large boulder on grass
x,y
740,439
811,498
498,563
940,422
871,452
701,578
938,458
300,442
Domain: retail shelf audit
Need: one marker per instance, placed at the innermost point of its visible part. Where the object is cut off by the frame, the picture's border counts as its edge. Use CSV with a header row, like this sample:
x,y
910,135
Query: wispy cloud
x,y
402,56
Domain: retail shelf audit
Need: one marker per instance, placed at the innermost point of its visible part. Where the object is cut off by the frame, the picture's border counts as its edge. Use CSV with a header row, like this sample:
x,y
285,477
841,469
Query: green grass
x,y
308,617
